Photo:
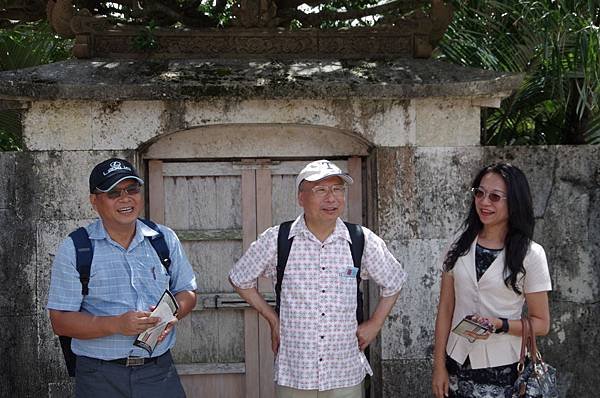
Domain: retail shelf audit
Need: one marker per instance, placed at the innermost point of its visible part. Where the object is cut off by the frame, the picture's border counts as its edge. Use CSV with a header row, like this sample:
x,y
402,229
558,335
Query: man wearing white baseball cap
x,y
105,279
315,262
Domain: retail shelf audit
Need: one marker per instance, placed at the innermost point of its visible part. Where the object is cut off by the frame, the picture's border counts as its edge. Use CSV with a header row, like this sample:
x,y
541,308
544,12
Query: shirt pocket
x,y
152,277
347,290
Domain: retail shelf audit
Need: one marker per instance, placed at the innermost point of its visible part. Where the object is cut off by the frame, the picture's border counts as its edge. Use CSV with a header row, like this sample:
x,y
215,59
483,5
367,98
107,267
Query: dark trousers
x,y
96,378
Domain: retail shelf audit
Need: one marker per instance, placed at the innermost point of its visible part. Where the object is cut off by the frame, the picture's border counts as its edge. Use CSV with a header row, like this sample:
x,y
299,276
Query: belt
x,y
134,361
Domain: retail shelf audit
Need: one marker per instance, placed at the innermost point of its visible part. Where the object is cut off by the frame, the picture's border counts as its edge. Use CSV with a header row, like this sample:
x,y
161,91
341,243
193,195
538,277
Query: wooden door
x,y
223,348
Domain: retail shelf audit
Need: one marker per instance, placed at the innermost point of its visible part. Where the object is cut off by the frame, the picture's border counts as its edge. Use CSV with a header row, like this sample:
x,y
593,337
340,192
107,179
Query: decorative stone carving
x,y
404,29
60,14
255,13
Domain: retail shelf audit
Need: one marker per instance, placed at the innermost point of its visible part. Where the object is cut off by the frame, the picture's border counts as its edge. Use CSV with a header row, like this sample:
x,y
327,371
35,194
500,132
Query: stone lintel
x,y
113,80
13,104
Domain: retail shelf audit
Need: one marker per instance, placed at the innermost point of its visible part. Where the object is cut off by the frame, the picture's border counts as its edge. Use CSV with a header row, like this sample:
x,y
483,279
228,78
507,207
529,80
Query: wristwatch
x,y
504,328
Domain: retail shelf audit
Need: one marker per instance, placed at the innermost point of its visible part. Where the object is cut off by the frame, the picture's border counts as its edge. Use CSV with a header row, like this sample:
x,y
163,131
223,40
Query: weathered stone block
x,y
17,267
58,125
64,389
572,347
381,122
259,111
408,332
408,378
19,376
7,180
443,122
125,125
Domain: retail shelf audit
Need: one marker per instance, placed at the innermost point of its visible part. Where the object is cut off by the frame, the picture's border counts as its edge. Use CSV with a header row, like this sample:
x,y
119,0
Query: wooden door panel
x,y
212,261
214,386
202,203
217,209
177,203
218,336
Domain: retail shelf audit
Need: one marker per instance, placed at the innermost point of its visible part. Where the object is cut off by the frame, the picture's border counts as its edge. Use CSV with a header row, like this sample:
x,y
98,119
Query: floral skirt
x,y
479,383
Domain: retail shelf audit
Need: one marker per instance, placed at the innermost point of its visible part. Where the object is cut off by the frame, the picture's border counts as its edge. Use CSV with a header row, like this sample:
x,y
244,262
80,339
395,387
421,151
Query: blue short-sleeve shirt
x,y
121,280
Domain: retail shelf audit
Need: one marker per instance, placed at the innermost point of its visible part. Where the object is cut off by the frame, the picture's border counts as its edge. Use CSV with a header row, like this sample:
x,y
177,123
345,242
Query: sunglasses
x,y
321,191
116,193
480,194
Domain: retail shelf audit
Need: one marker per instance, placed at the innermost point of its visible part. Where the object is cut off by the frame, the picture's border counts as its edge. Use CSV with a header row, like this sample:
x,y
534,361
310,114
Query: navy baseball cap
x,y
110,172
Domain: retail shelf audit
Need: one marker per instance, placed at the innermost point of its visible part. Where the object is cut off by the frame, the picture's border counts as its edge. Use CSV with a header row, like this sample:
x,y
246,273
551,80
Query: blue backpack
x,y
84,253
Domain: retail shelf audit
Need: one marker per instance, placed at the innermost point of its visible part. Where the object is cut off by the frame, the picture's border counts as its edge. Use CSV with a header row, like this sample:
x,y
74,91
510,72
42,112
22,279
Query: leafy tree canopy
x,y
556,44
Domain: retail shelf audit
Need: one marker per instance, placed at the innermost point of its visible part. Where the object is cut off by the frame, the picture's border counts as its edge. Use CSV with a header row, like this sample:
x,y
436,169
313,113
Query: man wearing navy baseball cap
x,y
103,313
316,265
106,175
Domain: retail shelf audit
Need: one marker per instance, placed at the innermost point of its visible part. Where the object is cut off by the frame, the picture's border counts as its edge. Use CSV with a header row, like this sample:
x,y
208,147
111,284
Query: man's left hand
x,y
167,330
366,333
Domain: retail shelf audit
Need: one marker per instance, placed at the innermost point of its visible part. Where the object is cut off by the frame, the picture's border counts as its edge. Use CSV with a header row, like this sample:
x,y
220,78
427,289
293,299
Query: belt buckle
x,y
134,361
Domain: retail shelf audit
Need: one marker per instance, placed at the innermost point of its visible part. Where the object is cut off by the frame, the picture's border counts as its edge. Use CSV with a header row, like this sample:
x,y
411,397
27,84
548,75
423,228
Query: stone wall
x,y
422,201
43,196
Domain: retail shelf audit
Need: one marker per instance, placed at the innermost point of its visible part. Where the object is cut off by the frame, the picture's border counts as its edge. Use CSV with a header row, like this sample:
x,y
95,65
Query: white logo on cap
x,y
326,163
114,166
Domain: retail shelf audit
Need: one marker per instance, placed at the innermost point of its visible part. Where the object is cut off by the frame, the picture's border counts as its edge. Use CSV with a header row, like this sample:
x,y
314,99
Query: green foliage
x,y
145,40
556,44
23,46
10,131
30,45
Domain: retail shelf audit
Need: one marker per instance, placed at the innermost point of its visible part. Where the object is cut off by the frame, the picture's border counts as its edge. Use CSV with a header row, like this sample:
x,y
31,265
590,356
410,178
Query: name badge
x,y
350,272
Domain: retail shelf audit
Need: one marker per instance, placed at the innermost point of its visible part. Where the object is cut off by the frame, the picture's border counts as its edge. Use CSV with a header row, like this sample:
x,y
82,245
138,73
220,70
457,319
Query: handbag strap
x,y
528,344
524,338
533,351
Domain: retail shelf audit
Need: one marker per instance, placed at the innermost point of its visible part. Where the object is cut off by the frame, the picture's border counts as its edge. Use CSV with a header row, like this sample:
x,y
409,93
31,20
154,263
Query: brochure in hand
x,y
166,308
469,325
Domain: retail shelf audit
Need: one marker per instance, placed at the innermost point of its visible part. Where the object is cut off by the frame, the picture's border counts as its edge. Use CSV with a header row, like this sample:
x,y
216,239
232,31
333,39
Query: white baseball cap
x,y
320,169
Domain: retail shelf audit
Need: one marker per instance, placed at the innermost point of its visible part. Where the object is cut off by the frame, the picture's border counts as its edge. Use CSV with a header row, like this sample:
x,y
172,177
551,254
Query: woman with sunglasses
x,y
490,271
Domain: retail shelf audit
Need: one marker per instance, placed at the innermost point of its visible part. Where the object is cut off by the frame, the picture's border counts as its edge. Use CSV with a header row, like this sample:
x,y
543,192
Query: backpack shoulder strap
x,y
159,244
357,247
84,252
284,245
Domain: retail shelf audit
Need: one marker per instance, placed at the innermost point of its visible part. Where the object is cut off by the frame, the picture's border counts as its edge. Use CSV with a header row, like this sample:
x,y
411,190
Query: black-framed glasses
x,y
480,194
321,191
116,192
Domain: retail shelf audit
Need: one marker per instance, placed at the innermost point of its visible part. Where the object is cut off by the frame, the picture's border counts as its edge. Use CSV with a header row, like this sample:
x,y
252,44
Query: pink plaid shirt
x,y
319,348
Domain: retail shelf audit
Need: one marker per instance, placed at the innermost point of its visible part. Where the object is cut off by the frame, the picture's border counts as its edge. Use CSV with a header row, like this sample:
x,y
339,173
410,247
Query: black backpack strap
x,y
159,244
84,253
357,247
284,245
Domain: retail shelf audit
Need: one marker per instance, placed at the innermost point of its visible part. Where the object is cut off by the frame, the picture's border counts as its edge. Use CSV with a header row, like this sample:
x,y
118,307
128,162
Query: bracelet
x,y
504,328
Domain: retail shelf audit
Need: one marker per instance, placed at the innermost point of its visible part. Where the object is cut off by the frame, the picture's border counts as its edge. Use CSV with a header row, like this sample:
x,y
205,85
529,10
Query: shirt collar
x,y
97,231
299,228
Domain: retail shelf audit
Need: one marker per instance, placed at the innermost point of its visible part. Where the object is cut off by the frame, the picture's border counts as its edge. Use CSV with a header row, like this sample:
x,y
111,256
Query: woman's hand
x,y
439,383
490,323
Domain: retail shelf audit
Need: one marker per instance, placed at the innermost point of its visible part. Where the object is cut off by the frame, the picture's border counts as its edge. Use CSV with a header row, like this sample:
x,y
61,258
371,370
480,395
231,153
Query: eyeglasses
x,y
321,191
480,194
116,193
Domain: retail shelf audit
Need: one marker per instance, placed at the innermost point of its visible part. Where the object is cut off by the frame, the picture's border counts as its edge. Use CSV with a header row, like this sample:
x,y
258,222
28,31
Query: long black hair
x,y
521,223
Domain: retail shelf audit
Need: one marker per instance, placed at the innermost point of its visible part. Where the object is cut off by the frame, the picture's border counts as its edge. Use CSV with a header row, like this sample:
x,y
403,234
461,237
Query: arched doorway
x,y
219,187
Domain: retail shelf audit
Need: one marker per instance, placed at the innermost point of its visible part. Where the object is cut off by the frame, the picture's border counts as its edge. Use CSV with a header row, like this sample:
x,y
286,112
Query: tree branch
x,y
165,13
316,18
402,5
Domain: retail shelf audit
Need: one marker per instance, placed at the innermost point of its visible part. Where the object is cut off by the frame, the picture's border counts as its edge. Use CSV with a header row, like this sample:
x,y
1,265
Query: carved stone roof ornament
x,y
274,29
